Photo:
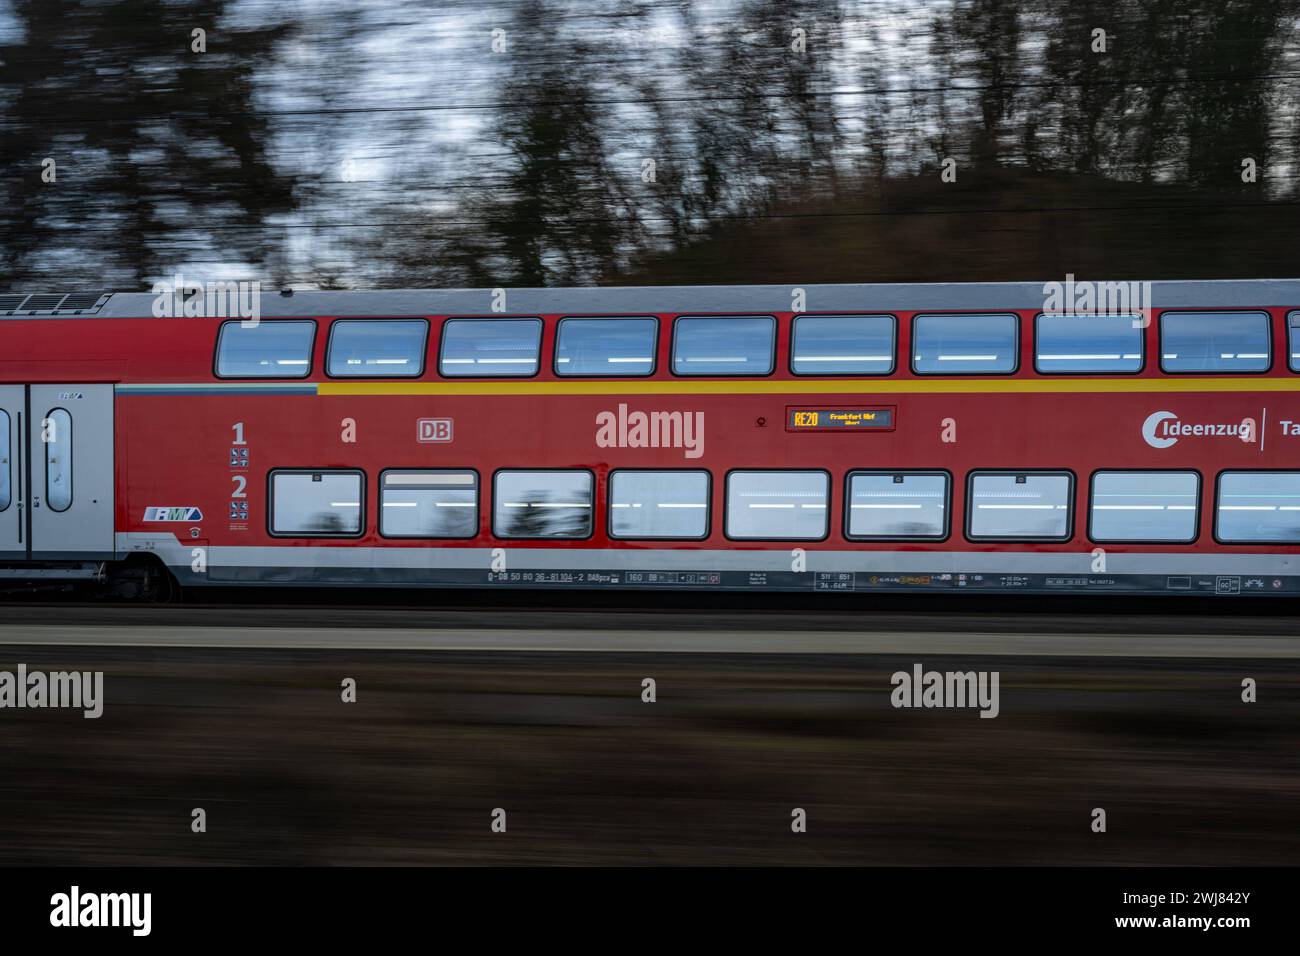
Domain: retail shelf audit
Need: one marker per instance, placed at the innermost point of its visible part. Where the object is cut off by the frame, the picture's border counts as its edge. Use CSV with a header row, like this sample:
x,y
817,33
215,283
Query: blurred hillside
x,y
1008,226
405,143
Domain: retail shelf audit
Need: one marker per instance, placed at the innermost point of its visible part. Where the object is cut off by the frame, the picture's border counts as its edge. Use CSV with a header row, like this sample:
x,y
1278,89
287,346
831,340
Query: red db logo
x,y
434,429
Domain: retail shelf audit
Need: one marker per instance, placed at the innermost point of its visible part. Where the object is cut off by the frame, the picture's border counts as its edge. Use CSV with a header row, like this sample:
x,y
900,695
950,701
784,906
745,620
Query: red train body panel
x,y
186,489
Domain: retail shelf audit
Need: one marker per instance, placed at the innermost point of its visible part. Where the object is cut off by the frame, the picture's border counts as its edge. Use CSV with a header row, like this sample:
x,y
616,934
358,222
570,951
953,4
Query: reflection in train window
x,y
386,347
56,435
658,504
1089,343
317,503
898,505
1019,505
1144,506
842,345
278,349
780,505
542,504
1215,341
731,345
1258,506
490,347
964,344
428,504
605,346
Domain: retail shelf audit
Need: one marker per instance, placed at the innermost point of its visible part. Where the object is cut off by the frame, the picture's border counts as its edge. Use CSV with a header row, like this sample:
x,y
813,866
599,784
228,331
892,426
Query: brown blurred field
x,y
589,774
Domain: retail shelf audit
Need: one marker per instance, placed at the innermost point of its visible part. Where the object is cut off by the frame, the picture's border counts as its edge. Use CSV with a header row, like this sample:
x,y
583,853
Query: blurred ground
x,y
588,773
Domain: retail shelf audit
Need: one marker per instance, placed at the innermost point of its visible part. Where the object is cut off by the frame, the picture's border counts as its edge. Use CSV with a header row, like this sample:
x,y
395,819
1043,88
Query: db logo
x,y
434,429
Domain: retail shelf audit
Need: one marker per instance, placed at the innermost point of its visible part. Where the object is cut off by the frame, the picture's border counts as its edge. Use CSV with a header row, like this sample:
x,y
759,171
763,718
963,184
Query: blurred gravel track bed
x,y
588,773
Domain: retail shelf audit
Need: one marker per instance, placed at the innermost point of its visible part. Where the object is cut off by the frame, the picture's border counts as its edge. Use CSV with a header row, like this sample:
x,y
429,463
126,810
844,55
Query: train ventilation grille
x,y
75,303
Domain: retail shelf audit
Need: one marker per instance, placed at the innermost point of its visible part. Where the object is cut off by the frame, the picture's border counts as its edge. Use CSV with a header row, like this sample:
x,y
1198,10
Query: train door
x,y
59,484
13,514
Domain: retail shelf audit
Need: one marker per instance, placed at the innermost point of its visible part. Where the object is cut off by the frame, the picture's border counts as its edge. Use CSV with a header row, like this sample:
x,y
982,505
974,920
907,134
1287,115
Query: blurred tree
x,y
156,146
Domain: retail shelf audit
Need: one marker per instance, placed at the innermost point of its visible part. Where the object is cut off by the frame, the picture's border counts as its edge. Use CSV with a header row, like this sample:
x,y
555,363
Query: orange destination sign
x,y
838,418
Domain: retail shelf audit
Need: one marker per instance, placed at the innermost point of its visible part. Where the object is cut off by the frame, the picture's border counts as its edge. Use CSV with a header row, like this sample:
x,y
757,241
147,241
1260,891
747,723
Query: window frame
x,y
893,351
478,504
654,346
492,520
424,350
9,453
672,346
726,501
1196,521
311,352
1268,324
1218,486
72,489
1142,353
708,504
442,343
1071,498
270,502
949,481
1015,345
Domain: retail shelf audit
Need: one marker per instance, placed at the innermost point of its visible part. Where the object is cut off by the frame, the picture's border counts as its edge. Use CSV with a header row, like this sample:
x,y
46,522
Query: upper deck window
x,y
964,344
610,346
724,345
843,345
493,347
382,347
269,349
1088,343
1215,342
1293,340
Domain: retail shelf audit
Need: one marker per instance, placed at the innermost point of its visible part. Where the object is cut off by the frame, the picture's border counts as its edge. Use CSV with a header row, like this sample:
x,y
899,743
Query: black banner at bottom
x,y
541,907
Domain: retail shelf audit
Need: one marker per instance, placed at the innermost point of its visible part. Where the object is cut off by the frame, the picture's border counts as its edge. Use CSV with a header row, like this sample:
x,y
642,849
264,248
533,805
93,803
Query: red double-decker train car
x,y
880,438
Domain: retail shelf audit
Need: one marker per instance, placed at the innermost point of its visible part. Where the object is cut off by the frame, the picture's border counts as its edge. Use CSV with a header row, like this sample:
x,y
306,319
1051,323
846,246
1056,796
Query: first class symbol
x,y
433,430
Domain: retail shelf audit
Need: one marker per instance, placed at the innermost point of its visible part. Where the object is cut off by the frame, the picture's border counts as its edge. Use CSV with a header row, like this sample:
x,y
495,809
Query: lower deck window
x,y
428,504
317,503
1258,506
658,504
782,505
894,505
1144,506
1020,505
542,504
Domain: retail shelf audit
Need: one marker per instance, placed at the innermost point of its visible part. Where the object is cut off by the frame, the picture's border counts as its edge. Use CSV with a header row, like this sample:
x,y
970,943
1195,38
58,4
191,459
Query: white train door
x,y
56,472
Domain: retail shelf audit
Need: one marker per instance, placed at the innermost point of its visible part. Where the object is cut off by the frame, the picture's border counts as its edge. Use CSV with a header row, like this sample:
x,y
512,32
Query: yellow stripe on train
x,y
877,386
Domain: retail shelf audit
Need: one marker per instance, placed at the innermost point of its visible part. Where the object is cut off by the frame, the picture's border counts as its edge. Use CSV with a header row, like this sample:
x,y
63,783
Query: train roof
x,y
867,297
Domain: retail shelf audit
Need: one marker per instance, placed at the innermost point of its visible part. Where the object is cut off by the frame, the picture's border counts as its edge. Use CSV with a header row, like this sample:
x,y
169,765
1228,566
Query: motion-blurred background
x,y
320,143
